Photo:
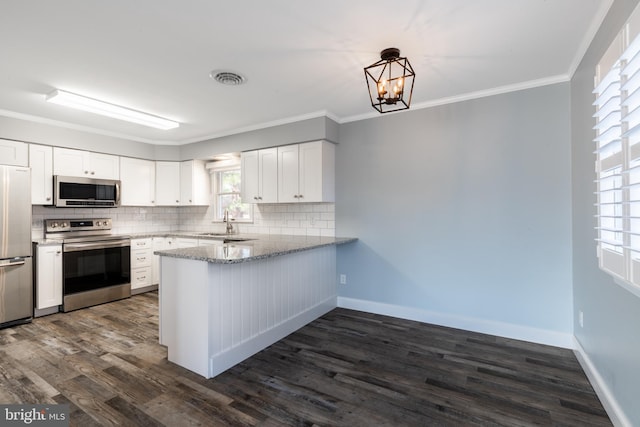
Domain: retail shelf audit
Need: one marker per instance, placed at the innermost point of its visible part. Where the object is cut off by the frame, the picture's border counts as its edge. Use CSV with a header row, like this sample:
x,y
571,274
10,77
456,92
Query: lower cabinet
x,y
141,264
160,244
48,276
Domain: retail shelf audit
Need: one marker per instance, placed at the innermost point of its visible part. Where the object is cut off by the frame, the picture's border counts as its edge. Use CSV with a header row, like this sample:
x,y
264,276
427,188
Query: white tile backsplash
x,y
311,219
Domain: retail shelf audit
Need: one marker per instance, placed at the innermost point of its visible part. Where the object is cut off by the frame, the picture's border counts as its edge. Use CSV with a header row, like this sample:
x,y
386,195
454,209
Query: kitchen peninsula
x,y
222,303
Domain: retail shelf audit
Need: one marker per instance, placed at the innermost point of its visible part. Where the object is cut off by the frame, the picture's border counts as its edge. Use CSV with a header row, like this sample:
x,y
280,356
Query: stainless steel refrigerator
x,y
16,273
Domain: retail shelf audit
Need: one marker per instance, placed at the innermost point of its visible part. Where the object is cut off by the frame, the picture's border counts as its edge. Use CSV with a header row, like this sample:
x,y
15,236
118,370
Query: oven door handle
x,y
74,247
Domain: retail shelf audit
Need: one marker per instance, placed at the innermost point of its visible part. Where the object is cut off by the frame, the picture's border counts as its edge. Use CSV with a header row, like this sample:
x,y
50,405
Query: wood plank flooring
x,y
347,368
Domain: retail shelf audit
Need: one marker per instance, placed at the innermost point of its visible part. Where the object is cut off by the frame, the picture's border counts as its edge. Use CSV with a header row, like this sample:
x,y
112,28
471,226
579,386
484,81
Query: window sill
x,y
634,289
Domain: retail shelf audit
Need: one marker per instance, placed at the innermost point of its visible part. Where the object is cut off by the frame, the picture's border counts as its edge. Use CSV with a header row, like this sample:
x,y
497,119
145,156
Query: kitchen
x,y
420,253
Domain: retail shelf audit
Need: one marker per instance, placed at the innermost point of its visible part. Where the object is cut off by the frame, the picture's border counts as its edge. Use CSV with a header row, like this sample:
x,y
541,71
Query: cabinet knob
x,y
86,172
177,201
256,198
58,252
93,172
48,198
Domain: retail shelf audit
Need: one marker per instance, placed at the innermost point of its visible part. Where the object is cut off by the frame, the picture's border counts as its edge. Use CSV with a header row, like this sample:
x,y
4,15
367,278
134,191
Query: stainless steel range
x,y
96,264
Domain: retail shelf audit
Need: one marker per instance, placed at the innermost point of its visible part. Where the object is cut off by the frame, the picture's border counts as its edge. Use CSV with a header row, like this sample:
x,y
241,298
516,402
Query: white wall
x,y
610,337
463,214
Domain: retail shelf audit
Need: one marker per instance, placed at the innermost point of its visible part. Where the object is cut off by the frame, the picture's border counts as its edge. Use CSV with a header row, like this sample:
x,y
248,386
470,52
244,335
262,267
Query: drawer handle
x,y
142,277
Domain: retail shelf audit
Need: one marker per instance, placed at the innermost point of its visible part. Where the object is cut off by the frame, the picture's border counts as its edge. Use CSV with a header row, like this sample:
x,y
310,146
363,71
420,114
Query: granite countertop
x,y
251,247
265,246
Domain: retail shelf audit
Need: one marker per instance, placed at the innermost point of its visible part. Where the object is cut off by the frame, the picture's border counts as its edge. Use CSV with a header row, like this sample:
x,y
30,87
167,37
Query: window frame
x,y
617,157
214,171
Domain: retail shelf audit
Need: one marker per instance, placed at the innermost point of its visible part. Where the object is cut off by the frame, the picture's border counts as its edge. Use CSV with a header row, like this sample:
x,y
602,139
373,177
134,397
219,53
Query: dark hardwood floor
x,y
347,368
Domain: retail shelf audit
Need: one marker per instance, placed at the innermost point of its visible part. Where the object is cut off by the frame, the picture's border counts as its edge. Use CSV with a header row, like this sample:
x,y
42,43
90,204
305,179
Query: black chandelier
x,y
389,80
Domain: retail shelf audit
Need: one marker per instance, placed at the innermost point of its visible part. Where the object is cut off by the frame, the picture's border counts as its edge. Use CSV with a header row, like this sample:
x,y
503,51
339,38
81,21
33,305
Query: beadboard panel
x,y
213,316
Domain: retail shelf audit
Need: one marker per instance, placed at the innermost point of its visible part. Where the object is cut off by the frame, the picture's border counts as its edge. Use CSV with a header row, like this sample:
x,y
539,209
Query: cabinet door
x,y
249,170
159,244
167,183
14,153
316,169
104,166
194,183
70,162
268,182
138,182
49,276
41,163
186,243
288,189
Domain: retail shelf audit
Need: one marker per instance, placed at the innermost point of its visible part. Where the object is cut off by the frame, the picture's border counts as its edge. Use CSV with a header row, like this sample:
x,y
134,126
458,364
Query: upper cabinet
x,y
259,176
41,164
306,172
69,162
14,153
138,179
194,183
167,183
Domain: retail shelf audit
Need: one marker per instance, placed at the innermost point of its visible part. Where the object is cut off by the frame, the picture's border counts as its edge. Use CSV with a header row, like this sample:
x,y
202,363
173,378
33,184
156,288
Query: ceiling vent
x,y
228,78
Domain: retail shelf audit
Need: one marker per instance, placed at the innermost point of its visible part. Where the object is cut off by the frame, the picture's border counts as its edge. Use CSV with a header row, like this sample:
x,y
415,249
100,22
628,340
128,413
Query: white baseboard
x,y
609,402
506,330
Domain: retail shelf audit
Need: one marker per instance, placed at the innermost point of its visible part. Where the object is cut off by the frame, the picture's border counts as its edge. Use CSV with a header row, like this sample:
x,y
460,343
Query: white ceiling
x,y
302,59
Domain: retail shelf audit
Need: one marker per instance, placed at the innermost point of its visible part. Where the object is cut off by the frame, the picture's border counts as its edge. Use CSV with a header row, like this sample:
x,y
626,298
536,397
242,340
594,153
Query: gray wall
x,y
40,133
290,133
462,210
611,334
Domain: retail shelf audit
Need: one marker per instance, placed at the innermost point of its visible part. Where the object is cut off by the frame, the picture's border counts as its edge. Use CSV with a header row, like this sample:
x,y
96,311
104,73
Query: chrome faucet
x,y
227,221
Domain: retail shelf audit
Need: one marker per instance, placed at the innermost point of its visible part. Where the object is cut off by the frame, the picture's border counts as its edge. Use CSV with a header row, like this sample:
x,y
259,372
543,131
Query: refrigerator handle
x,y
11,262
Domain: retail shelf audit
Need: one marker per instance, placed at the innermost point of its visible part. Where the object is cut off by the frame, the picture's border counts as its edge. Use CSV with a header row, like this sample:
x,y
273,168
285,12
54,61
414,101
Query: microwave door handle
x,y
117,193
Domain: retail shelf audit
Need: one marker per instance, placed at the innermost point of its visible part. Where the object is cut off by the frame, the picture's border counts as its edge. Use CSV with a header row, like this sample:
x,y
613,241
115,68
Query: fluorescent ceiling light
x,y
72,100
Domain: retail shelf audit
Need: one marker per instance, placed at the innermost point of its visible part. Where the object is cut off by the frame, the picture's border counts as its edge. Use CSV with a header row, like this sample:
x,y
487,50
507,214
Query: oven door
x,y
96,265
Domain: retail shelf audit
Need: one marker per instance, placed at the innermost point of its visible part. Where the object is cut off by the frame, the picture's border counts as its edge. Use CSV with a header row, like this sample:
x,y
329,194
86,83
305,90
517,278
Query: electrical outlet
x,y
581,318
343,279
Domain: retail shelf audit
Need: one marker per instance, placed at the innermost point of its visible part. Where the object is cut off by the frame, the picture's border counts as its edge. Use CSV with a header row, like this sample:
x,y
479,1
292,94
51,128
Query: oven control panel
x,y
66,225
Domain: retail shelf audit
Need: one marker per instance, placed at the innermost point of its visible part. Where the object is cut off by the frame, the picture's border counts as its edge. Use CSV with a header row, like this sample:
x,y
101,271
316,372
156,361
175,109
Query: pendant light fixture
x,y
390,81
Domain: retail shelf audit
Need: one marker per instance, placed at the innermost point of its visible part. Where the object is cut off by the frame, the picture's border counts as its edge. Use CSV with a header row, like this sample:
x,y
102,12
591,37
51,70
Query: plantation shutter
x,y
609,165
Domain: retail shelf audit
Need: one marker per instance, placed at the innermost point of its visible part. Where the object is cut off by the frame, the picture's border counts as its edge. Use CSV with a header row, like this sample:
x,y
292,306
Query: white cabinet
x,y
141,263
160,244
167,183
306,172
48,276
259,176
288,174
69,162
138,180
183,242
41,164
209,242
14,153
194,183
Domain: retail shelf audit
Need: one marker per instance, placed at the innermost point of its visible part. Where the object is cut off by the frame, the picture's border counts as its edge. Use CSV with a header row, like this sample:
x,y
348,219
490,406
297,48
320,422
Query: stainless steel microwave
x,y
74,192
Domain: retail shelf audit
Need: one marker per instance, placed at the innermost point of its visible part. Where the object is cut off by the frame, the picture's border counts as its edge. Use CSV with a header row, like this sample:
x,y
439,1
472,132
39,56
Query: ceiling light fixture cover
x,y
389,80
91,105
